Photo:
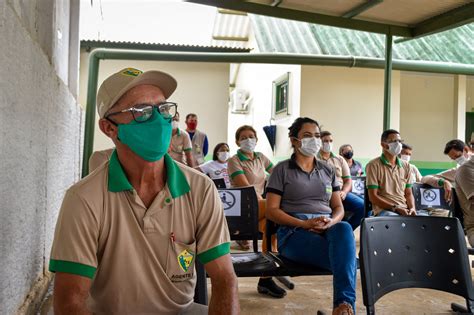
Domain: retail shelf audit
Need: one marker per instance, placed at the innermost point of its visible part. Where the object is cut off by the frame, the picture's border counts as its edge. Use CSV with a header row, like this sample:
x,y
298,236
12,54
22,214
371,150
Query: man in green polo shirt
x,y
128,235
389,179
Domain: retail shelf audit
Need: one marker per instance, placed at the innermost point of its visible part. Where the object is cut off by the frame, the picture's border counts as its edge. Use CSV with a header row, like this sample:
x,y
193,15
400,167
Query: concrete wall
x,y
202,89
257,79
349,103
40,141
427,113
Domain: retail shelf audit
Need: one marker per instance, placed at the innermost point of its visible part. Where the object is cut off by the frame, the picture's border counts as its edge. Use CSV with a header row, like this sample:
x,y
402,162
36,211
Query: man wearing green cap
x,y
128,234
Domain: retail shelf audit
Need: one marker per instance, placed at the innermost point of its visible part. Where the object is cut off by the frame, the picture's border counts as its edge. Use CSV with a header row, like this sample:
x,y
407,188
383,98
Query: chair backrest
x,y
219,182
367,204
241,211
413,252
358,185
429,197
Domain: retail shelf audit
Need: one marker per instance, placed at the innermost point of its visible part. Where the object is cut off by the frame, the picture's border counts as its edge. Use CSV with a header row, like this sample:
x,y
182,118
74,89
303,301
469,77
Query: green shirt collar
x,y
386,162
243,157
175,179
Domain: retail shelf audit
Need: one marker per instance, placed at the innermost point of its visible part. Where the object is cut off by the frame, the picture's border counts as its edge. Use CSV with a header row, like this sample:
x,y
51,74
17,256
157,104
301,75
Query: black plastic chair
x,y
367,204
358,185
430,197
413,252
286,266
219,182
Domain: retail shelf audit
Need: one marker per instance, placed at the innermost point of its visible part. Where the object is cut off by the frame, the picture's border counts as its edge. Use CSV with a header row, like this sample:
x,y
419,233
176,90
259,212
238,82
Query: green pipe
x,y
387,82
275,58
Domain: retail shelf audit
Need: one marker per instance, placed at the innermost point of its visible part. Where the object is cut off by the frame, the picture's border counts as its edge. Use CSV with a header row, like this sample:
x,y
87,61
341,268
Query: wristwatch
x,y
394,206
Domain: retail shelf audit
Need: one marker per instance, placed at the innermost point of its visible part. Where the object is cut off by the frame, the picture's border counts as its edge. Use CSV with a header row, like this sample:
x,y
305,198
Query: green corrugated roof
x,y
286,36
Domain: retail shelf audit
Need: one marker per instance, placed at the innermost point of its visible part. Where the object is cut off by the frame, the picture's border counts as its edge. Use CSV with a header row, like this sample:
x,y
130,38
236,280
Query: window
x,y
280,99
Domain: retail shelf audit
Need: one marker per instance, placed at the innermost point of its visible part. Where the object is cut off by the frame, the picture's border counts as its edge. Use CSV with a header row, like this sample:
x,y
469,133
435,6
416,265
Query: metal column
x,y
90,113
387,82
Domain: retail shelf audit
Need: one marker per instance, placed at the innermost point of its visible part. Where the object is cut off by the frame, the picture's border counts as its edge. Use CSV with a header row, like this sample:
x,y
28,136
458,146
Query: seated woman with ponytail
x,y
303,198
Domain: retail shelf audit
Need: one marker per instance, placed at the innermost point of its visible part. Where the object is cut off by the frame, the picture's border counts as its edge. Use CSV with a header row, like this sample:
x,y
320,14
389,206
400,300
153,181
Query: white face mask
x,y
461,160
175,124
223,156
310,146
248,145
395,148
405,157
327,147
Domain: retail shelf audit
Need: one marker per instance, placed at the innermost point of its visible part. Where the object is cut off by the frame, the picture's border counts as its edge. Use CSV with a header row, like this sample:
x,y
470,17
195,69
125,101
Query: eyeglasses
x,y
143,112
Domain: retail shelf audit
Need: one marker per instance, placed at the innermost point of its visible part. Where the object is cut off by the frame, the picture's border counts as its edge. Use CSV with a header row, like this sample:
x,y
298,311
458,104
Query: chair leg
x,y
370,309
458,308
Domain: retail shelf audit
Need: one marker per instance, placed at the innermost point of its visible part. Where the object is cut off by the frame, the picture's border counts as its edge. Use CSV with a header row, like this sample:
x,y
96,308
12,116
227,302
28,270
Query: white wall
x,y
427,113
349,103
40,128
257,79
202,89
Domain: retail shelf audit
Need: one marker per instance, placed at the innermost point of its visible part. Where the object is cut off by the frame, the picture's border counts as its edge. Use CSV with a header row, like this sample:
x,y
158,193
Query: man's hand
x,y
343,195
404,211
447,190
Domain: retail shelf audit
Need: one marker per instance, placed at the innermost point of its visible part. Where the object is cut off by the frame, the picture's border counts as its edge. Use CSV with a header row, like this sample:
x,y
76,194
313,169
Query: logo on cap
x,y
132,72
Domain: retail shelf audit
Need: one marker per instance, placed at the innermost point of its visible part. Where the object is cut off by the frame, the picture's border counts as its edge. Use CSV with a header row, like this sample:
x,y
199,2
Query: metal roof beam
x,y
451,19
361,8
309,17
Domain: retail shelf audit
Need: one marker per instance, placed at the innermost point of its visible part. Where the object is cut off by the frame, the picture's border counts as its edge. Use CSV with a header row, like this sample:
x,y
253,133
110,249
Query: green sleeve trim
x,y
236,173
269,166
72,267
408,185
188,149
373,186
214,253
344,177
441,183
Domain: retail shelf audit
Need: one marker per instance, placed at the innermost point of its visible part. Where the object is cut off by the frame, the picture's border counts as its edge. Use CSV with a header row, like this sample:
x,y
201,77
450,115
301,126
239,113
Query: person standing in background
x,y
198,139
180,147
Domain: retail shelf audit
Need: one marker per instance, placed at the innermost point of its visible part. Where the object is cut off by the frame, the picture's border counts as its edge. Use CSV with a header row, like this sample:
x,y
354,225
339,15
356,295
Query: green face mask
x,y
149,140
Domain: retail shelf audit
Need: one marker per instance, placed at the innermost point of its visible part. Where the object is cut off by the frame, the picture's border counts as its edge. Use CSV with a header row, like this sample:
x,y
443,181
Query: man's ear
x,y
109,129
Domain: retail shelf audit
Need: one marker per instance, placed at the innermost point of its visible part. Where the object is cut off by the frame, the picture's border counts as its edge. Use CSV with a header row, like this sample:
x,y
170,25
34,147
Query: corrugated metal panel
x,y
89,44
285,36
231,30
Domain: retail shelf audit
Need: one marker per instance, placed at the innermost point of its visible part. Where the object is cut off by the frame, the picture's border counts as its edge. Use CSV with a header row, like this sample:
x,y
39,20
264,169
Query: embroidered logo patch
x,y
328,189
185,259
132,72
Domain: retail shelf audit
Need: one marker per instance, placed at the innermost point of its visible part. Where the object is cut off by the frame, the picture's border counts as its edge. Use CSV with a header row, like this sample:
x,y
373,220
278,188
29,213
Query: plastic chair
x,y
413,252
430,197
219,182
358,185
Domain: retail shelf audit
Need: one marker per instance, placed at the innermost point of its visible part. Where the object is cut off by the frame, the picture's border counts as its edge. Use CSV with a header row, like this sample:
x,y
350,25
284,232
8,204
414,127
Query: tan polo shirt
x,y
254,170
391,181
141,261
98,158
340,167
465,191
415,174
180,143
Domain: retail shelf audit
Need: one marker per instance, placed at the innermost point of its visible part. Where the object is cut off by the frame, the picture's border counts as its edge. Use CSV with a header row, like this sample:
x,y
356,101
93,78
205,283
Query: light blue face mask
x,y
149,140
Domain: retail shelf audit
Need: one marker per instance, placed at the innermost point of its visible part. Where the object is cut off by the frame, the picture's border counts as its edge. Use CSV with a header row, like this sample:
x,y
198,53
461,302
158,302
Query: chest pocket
x,y
180,263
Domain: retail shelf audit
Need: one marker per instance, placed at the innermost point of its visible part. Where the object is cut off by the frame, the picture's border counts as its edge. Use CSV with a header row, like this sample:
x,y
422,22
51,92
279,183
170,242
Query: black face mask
x,y
348,155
